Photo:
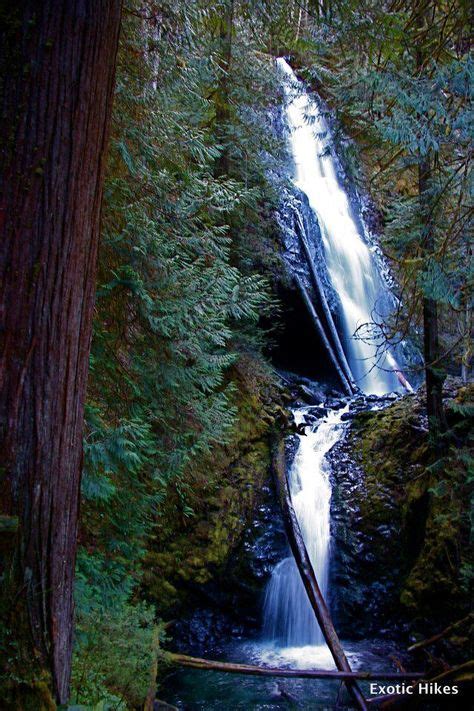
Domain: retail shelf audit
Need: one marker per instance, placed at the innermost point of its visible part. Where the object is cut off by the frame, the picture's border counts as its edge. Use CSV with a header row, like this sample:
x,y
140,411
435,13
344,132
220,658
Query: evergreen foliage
x,y
187,234
179,298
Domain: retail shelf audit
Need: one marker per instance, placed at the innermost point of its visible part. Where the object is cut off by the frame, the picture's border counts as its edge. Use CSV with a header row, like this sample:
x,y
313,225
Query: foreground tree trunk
x,y
58,66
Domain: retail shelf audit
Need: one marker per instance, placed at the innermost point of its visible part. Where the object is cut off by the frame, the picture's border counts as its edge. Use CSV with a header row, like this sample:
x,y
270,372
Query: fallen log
x,y
390,701
444,633
308,577
339,351
250,669
329,317
463,673
403,381
322,334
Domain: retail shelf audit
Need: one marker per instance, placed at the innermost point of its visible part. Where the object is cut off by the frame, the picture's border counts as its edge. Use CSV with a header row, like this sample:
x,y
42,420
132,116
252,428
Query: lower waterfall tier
x,y
288,617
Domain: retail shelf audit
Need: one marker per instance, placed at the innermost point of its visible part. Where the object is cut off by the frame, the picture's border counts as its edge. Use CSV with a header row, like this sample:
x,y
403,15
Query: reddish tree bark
x,y
58,66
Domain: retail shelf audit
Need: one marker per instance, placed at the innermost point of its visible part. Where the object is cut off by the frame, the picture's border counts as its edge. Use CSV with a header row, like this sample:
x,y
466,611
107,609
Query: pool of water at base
x,y
197,690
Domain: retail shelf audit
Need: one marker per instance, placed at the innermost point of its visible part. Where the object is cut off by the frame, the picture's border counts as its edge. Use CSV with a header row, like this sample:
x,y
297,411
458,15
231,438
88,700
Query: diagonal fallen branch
x,y
233,668
321,296
308,577
441,635
324,339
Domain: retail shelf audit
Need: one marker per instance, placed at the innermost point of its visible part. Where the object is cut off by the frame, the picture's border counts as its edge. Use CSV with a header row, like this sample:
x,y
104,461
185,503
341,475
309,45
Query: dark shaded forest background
x,y
188,286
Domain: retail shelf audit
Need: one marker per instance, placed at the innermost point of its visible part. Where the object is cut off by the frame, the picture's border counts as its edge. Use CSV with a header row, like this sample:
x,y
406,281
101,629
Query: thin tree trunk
x,y
308,577
339,351
434,374
466,358
58,65
324,339
222,100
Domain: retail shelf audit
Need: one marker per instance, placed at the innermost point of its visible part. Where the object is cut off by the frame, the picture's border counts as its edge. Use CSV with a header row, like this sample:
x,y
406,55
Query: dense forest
x,y
170,318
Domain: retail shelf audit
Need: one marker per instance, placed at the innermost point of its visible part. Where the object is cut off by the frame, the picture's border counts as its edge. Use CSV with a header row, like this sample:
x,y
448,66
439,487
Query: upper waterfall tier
x,y
351,266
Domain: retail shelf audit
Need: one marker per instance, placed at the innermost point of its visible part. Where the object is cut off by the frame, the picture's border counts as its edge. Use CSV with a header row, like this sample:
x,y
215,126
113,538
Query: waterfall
x,y
289,620
351,266
289,617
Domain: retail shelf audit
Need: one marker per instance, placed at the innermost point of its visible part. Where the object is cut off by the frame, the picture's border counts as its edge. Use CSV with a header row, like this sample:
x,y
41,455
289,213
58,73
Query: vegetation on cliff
x,y
403,520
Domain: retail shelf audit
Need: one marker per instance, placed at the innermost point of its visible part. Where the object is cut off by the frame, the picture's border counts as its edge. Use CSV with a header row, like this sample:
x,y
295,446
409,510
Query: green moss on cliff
x,y
428,501
203,524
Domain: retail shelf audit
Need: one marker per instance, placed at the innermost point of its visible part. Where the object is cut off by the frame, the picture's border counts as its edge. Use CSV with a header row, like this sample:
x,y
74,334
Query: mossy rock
x,y
401,523
193,552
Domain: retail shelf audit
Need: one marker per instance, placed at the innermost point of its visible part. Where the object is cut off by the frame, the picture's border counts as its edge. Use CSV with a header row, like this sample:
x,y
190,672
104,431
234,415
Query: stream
x,y
290,635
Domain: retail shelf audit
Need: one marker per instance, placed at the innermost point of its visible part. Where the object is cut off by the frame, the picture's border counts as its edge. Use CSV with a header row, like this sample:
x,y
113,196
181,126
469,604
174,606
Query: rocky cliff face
x,y
401,521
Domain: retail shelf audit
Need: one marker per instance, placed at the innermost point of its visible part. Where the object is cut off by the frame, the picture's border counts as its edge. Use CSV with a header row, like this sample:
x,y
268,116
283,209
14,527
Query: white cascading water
x,y
350,264
289,620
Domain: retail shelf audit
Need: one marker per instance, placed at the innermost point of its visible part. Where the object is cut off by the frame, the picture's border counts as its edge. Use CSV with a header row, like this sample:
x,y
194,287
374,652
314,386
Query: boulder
x,y
335,404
